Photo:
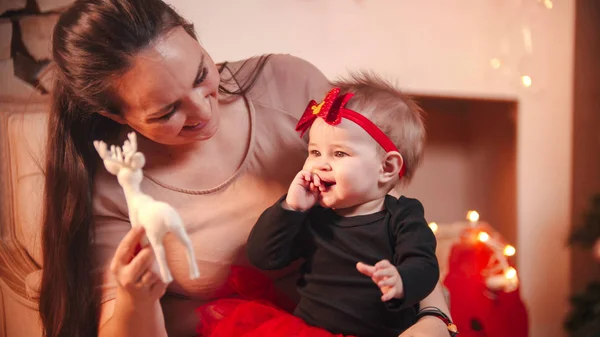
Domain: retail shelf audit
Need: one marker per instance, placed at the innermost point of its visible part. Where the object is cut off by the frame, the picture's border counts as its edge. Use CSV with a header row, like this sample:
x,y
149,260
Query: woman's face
x,y
170,93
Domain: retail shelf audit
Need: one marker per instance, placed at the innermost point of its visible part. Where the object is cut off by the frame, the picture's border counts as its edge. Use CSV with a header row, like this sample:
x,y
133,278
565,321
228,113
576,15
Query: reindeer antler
x,y
118,157
101,148
129,147
113,159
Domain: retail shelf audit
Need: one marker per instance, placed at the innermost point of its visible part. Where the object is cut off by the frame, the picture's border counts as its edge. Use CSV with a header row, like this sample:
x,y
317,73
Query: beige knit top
x,y
218,220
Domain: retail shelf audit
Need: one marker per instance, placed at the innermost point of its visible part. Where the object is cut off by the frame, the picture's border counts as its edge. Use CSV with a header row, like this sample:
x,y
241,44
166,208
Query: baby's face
x,y
346,159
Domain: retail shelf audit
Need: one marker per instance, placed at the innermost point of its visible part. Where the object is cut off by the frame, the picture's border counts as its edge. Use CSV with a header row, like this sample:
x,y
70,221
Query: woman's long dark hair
x,y
94,41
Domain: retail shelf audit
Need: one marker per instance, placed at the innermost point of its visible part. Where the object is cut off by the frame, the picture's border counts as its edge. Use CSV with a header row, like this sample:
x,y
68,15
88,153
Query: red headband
x,y
332,109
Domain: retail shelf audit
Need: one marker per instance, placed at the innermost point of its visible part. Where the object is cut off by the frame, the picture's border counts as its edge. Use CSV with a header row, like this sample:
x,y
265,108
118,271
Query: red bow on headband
x,y
329,110
333,109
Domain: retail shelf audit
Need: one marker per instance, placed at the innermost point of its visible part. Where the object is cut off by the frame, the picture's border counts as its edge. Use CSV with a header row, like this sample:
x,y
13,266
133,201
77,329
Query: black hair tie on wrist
x,y
436,312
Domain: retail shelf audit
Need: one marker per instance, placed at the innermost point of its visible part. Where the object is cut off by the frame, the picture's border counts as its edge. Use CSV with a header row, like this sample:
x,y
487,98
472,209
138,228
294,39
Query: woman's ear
x,y
113,117
391,164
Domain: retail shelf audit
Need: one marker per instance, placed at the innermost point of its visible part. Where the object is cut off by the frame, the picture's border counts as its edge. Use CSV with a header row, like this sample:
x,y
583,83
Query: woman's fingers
x,y
140,264
133,268
158,288
126,249
148,280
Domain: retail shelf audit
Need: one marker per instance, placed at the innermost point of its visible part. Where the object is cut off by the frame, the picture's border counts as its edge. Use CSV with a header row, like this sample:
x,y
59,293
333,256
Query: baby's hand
x,y
386,276
303,193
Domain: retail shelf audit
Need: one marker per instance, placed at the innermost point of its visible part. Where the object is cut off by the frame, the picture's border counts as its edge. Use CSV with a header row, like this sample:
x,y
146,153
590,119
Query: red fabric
x,y
476,310
242,318
250,284
255,313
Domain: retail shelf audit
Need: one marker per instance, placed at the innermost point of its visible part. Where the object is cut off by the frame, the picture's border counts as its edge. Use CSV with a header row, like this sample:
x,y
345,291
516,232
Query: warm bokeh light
x,y
510,273
483,236
433,226
509,250
495,63
526,80
548,4
473,216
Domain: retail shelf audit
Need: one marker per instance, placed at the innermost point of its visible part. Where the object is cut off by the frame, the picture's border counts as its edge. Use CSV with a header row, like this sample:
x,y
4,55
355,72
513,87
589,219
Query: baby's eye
x,y
340,154
315,153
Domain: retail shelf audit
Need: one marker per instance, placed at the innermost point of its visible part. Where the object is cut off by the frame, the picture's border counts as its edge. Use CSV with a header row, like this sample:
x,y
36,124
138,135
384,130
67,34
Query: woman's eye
x,y
169,114
201,77
315,153
340,154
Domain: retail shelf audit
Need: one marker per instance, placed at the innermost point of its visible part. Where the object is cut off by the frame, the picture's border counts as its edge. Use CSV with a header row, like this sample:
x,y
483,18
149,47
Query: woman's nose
x,y
200,106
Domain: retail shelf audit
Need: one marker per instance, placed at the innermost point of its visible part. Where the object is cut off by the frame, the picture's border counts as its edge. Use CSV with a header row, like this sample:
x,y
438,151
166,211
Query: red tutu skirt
x,y
256,312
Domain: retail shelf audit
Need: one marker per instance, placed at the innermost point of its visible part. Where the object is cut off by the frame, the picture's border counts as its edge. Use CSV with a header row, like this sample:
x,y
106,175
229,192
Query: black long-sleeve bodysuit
x,y
333,294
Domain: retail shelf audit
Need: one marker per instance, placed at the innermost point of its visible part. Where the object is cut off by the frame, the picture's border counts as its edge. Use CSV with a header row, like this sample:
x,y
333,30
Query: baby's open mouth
x,y
327,184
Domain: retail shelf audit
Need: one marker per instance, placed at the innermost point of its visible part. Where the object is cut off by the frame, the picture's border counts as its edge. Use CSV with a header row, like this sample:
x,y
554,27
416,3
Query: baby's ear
x,y
390,166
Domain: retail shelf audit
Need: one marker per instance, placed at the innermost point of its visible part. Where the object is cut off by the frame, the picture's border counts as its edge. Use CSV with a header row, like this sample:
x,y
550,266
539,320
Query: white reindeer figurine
x,y
156,217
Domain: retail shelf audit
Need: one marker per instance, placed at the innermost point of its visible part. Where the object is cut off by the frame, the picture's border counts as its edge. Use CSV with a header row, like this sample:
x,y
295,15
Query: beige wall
x,y
442,48
469,163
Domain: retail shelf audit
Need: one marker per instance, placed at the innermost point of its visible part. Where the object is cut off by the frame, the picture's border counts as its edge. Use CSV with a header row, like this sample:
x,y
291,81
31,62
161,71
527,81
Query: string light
x,y
515,59
496,63
510,273
483,236
473,216
499,275
509,250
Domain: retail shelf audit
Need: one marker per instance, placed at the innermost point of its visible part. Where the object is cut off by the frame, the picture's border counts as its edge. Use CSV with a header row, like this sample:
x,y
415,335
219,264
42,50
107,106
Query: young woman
x,y
220,146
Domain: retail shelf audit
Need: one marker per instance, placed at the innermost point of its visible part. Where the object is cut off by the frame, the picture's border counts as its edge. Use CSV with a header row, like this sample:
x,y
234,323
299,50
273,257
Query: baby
x,y
369,257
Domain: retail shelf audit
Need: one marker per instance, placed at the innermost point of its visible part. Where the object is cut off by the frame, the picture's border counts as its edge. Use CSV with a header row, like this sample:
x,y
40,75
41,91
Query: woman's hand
x,y
427,326
133,270
303,193
387,278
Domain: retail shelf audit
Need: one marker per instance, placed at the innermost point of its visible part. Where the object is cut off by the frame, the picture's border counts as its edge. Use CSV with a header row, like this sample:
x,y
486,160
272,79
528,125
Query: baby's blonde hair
x,y
397,115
